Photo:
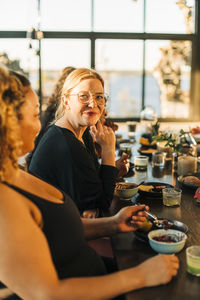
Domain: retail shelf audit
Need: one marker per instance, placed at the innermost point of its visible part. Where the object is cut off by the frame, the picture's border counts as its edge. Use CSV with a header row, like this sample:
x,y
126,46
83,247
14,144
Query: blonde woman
x,y
43,252
62,157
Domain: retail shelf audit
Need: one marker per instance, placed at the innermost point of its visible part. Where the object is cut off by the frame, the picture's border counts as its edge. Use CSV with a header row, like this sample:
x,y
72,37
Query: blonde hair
x,y
73,79
11,100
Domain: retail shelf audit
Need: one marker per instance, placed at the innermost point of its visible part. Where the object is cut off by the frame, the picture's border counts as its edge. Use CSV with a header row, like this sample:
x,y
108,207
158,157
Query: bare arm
x,y
26,265
127,219
105,137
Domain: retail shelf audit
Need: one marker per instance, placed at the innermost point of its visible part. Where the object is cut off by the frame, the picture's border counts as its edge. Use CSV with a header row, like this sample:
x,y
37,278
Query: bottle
x,y
147,118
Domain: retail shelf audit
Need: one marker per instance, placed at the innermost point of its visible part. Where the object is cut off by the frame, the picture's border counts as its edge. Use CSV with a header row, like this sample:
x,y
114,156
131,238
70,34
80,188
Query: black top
x,y
62,160
63,229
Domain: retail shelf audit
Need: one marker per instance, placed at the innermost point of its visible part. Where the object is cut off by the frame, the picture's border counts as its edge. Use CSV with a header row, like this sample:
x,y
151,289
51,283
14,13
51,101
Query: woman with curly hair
x,y
43,250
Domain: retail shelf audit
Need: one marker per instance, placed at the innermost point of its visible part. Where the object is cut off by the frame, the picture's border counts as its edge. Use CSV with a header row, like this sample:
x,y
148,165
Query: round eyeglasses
x,y
85,97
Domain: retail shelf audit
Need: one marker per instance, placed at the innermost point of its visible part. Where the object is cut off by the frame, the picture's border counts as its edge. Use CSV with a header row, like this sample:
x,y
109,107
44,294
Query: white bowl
x,y
165,247
127,190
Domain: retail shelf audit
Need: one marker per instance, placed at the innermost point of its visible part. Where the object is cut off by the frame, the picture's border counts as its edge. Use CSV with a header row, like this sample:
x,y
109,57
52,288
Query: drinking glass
x,y
141,163
187,164
131,130
126,148
193,260
171,196
158,159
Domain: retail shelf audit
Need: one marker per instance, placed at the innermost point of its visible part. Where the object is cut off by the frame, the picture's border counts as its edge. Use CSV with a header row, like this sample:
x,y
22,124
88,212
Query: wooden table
x,y
129,251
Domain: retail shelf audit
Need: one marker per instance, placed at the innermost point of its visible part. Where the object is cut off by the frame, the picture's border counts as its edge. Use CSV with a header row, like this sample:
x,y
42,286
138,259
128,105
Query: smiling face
x,y
29,122
84,114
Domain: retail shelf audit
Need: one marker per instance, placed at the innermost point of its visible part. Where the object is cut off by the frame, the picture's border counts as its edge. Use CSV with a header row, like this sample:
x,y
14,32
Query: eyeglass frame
x,y
106,96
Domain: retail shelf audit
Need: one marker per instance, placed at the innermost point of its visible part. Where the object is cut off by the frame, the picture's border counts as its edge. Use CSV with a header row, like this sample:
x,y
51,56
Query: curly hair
x,y
11,100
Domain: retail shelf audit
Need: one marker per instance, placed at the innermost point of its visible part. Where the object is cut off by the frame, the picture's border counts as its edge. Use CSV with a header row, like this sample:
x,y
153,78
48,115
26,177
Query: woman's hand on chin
x,y
104,136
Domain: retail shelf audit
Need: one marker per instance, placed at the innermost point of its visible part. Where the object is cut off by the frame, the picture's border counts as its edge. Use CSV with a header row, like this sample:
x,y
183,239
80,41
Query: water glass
x,y
141,163
158,159
131,130
125,148
171,196
193,260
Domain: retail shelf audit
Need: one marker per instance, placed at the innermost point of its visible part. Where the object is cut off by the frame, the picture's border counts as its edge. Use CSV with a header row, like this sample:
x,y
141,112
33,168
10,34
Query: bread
x,y
191,180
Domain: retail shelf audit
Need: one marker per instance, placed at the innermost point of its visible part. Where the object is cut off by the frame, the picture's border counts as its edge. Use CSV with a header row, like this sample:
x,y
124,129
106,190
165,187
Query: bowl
x,y
164,246
126,190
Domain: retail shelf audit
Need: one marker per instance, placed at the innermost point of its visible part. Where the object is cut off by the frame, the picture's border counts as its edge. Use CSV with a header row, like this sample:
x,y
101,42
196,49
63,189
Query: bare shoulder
x,y
10,199
13,206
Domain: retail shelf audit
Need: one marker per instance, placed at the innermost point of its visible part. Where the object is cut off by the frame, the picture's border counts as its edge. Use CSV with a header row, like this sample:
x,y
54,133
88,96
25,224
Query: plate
x,y
188,185
146,151
155,193
177,225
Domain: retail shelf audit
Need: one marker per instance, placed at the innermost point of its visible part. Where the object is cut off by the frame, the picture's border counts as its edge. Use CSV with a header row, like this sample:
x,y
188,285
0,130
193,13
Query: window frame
x,y
93,36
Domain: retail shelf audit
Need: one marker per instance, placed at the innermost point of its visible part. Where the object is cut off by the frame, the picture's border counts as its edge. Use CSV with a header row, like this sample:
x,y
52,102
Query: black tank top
x,y
63,229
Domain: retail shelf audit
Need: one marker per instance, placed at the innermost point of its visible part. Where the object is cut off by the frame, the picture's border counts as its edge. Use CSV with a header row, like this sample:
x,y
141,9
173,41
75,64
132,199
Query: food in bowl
x,y
191,180
126,190
167,241
125,185
166,238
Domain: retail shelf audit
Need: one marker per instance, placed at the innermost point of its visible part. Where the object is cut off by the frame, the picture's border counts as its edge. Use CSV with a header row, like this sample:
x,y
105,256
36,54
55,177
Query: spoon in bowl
x,y
165,224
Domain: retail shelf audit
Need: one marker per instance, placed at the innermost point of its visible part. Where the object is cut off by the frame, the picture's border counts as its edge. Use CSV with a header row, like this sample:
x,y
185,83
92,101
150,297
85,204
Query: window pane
x,y
18,15
118,15
120,63
16,55
168,66
66,15
57,54
170,16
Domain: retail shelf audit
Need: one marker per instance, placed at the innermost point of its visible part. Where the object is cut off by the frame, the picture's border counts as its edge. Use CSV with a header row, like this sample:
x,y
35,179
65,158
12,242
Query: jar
x,y
186,164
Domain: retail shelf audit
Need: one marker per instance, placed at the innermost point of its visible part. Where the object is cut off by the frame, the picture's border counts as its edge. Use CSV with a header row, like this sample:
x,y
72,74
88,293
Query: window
x,y
66,15
167,84
170,16
118,15
58,54
18,15
146,50
120,63
16,54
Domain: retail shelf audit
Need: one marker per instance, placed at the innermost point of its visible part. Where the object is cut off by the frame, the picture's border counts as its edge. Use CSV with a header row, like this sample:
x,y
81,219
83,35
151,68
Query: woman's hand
x,y
90,214
158,270
130,218
105,137
122,165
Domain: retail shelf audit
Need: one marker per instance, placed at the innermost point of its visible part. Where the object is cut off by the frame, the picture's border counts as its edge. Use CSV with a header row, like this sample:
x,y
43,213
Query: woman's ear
x,y
65,102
